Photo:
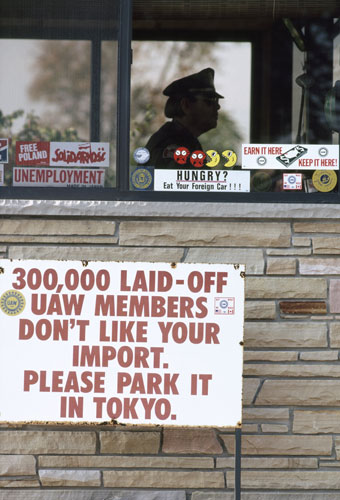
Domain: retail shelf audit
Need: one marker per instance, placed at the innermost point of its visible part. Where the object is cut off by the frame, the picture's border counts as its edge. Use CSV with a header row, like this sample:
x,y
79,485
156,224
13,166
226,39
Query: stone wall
x,y
291,417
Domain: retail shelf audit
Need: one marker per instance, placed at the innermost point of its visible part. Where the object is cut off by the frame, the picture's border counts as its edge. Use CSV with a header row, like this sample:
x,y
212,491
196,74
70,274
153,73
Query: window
x,y
79,121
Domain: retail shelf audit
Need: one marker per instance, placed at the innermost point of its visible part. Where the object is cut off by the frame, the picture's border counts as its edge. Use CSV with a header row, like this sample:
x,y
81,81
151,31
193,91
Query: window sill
x,y
143,209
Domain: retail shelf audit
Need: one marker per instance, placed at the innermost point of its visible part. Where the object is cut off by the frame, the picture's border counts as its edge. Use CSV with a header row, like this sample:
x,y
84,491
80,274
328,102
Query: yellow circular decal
x,y
230,156
324,180
213,157
12,302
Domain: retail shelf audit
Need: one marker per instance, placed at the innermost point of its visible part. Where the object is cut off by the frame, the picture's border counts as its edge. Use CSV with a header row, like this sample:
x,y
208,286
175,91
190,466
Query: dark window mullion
x,y
123,104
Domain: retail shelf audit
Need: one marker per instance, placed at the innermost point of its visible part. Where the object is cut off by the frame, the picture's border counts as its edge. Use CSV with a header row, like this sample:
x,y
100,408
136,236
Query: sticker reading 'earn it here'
x,y
63,154
290,156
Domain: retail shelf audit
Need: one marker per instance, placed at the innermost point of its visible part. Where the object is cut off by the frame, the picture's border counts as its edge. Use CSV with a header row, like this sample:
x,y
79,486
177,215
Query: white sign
x,y
290,157
2,177
199,181
138,343
58,177
62,154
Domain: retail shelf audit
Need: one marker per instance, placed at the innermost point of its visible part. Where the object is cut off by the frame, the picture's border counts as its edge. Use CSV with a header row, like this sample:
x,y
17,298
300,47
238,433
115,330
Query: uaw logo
x,y
12,302
141,179
225,305
3,150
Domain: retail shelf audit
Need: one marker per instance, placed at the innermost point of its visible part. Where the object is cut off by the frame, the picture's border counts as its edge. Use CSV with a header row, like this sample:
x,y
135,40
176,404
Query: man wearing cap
x,y
193,107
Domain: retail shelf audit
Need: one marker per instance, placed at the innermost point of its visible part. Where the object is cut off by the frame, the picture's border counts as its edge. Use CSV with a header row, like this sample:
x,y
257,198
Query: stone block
x,y
256,309
314,265
334,296
324,245
281,266
129,442
289,251
334,334
17,465
301,241
125,462
328,463
270,356
272,428
316,227
250,428
305,307
288,480
278,444
268,463
190,441
19,483
51,226
205,233
77,478
252,258
47,442
62,239
286,288
285,334
97,253
319,355
299,393
91,494
272,495
337,447
265,414
163,479
250,387
316,422
292,370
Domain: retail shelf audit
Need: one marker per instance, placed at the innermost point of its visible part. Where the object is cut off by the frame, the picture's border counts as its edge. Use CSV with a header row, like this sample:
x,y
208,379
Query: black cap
x,y
198,83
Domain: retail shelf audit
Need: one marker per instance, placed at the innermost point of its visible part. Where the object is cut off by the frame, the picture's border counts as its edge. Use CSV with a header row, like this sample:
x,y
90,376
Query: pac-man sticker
x,y
141,155
12,302
213,158
324,181
231,157
142,179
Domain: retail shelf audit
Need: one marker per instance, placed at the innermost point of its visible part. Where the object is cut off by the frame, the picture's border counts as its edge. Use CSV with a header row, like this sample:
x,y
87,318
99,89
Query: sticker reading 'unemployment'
x,y
58,177
134,342
216,181
290,157
63,154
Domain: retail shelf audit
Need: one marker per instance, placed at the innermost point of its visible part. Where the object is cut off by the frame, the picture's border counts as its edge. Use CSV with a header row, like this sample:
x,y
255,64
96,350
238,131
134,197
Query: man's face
x,y
204,112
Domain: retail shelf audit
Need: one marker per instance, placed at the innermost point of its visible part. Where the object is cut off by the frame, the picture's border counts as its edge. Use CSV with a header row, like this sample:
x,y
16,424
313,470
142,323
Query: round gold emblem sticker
x,y
12,302
324,180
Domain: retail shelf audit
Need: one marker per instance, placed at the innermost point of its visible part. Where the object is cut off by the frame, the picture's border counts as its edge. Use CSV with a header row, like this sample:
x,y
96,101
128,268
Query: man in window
x,y
193,107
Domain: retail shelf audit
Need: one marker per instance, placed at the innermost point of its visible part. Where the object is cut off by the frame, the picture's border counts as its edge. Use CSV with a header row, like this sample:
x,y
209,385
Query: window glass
x,y
249,115
108,105
58,90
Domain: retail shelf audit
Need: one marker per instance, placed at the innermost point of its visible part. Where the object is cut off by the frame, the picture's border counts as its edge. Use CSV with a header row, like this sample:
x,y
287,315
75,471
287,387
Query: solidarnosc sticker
x,y
12,302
